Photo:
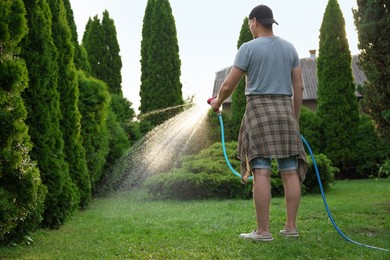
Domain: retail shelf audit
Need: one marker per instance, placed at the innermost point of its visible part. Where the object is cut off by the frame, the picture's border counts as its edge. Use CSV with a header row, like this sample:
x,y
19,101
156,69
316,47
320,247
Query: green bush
x,y
121,106
206,175
310,127
371,152
326,171
118,141
214,131
94,105
384,170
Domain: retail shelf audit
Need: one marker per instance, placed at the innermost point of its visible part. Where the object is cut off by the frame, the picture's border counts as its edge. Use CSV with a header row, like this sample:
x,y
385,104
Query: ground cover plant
x,y
130,226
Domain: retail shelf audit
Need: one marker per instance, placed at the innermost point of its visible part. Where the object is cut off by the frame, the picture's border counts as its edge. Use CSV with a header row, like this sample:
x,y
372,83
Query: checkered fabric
x,y
269,129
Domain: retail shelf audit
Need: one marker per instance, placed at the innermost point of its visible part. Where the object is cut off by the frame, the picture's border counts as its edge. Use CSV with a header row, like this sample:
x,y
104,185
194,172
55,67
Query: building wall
x,y
311,104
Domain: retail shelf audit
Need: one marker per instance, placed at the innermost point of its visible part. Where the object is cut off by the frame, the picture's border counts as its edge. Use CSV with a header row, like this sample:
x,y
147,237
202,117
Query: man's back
x,y
268,62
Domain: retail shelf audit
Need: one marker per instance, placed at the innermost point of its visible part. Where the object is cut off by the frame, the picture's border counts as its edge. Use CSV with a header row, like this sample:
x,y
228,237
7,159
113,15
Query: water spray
x,y
162,110
317,174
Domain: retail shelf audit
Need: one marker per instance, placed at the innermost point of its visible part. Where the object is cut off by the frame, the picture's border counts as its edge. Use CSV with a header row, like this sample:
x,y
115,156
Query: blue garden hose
x,y
318,179
224,148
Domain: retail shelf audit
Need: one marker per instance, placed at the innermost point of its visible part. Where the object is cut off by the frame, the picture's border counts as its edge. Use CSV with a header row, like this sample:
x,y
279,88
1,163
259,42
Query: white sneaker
x,y
254,236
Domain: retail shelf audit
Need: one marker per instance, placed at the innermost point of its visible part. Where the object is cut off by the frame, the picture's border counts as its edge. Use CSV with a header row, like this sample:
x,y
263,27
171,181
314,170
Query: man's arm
x,y
296,78
227,87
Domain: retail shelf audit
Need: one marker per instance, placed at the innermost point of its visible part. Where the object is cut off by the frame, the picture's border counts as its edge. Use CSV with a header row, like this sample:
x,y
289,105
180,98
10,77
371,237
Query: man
x,y
269,128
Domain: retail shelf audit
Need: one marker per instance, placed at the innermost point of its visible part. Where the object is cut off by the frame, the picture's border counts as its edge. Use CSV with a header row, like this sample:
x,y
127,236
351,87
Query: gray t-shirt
x,y
268,62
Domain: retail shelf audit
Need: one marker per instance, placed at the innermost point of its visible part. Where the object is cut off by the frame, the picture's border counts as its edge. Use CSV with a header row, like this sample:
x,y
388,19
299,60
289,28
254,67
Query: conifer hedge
x,y
42,99
21,190
69,101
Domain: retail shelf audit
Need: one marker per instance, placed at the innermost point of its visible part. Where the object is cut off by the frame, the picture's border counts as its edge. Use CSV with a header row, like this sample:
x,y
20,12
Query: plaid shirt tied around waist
x,y
269,129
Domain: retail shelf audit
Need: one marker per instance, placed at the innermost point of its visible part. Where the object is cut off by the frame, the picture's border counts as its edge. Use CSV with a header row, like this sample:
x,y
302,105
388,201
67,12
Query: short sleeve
x,y
242,58
295,58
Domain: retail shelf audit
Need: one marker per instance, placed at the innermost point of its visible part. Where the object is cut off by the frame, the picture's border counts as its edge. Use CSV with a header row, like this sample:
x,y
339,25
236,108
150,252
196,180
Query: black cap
x,y
263,14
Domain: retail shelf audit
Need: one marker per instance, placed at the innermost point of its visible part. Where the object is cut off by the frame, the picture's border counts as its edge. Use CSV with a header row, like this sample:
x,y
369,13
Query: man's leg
x,y
262,198
292,191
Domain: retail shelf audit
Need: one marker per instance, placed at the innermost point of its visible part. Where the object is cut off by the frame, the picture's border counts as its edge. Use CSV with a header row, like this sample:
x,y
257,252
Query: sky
x,y
207,34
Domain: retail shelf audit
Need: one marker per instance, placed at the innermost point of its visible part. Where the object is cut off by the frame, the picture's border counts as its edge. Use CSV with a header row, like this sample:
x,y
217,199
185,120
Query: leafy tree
x,y
372,22
337,103
21,190
69,100
160,73
42,101
238,97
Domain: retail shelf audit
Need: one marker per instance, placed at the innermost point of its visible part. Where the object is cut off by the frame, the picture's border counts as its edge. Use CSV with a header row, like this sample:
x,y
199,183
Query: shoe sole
x,y
258,239
288,233
263,240
296,236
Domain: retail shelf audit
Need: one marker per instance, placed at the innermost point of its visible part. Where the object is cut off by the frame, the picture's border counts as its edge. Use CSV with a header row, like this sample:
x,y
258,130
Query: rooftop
x,y
309,76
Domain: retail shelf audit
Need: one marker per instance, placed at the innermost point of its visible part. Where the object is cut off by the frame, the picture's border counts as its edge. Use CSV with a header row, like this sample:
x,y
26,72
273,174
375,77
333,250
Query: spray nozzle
x,y
210,99
209,102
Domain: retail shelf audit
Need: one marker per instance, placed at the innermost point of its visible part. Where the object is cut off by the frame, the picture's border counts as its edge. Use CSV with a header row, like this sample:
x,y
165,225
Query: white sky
x,y
207,33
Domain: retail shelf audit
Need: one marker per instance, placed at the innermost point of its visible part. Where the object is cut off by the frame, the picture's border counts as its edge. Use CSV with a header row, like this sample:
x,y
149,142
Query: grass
x,y
128,226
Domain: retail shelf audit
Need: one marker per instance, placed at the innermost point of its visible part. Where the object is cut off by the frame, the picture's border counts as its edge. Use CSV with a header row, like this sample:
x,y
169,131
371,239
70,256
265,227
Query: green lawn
x,y
128,226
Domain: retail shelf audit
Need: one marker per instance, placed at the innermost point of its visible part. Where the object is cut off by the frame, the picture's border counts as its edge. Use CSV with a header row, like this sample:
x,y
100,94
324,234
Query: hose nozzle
x,y
209,102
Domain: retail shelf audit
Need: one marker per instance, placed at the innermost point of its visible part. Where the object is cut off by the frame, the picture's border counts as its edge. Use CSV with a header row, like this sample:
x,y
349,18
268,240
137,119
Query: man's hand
x,y
214,104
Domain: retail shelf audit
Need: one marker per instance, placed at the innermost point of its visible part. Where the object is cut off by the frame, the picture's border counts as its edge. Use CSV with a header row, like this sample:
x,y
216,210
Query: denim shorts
x,y
284,164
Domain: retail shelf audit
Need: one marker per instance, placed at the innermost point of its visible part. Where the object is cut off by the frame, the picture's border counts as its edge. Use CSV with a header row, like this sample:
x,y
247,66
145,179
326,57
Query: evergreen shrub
x,y
371,151
214,130
336,99
310,128
326,170
384,170
205,175
94,105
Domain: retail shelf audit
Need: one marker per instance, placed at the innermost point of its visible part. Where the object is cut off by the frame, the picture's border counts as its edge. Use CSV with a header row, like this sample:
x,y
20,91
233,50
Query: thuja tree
x,y
145,125
21,190
238,97
113,77
372,20
94,104
95,43
121,106
160,72
42,101
80,55
113,63
69,101
337,103
101,44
